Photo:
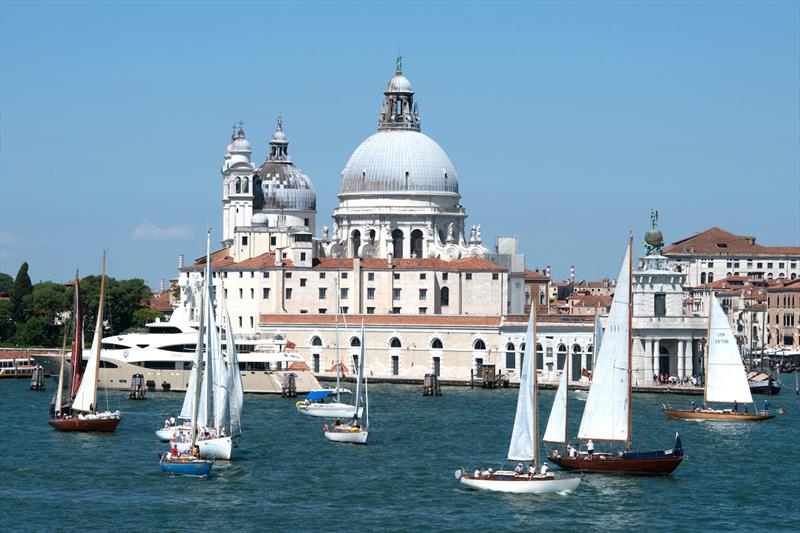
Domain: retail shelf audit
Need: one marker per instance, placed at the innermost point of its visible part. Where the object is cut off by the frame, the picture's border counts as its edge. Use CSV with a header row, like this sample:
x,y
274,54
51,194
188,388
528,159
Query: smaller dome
x,y
259,219
239,144
399,84
653,237
279,137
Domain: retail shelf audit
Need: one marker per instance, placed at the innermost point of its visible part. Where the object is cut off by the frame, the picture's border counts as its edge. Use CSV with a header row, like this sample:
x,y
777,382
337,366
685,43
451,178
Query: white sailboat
x,y
725,376
357,431
524,440
315,403
597,340
216,381
556,430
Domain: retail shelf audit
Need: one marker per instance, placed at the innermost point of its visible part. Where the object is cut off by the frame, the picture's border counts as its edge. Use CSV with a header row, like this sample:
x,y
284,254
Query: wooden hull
x,y
720,416
615,464
98,425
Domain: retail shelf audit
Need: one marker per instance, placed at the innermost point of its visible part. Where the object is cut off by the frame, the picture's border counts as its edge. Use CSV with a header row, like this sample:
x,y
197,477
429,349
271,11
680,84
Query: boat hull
x,y
329,410
614,464
718,416
97,425
769,388
352,437
192,467
523,486
166,434
220,448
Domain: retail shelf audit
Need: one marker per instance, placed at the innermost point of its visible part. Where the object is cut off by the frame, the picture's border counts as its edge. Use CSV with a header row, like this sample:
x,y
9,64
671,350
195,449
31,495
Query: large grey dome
x,y
398,161
279,184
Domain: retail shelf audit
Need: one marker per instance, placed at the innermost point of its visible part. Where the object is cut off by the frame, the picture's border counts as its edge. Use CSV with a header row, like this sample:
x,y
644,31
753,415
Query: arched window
x,y
561,356
356,240
238,185
541,298
416,243
397,243
246,186
316,341
710,277
793,276
511,356
395,343
355,342
436,344
576,362
479,345
589,357
444,296
539,356
702,278
372,236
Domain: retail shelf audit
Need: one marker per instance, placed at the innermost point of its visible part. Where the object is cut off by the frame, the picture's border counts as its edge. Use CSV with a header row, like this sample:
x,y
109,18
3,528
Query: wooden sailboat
x,y
524,440
216,381
81,413
357,431
315,403
607,416
725,378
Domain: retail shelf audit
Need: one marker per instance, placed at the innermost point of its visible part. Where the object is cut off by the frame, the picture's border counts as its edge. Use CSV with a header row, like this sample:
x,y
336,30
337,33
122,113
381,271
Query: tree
x,y
6,282
36,331
122,299
143,316
7,326
21,288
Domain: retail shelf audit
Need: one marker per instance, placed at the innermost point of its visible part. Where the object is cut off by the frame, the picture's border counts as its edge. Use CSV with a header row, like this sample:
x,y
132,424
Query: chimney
x,y
161,286
547,271
278,258
180,261
389,258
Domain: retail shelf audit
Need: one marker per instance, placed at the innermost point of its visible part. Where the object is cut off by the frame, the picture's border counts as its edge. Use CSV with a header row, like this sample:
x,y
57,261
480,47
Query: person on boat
x,y
590,448
543,469
174,450
519,469
572,451
766,405
532,470
477,473
735,406
337,422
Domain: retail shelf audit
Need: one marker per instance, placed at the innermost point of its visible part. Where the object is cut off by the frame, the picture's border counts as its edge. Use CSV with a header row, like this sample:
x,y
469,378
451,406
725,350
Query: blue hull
x,y
196,468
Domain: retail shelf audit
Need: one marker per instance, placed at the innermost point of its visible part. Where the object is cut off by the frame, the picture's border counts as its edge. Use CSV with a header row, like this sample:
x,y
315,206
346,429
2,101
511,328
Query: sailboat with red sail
x,y
607,416
79,412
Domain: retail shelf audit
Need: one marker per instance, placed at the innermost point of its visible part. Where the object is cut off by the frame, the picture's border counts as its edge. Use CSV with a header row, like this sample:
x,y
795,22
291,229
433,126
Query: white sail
x,y
86,397
726,380
605,416
221,378
188,399
556,430
235,396
521,447
359,402
598,336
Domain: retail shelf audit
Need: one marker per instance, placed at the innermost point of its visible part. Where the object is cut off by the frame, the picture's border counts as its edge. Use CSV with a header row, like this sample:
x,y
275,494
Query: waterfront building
x,y
715,254
783,322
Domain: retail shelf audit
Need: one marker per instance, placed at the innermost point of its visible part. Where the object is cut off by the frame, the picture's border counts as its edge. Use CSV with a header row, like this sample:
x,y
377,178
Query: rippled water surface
x,y
288,477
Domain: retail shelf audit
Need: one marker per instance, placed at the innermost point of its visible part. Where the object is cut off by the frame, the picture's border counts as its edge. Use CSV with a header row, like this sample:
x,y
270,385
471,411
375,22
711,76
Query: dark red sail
x,y
78,364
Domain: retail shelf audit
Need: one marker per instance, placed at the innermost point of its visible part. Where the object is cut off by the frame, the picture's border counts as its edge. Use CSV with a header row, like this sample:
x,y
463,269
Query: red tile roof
x,y
160,301
535,275
582,299
717,241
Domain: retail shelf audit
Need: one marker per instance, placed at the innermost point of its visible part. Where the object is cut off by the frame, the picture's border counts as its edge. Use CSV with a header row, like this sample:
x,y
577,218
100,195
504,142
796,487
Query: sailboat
x,y
607,415
215,380
524,439
314,403
597,340
725,377
357,431
80,412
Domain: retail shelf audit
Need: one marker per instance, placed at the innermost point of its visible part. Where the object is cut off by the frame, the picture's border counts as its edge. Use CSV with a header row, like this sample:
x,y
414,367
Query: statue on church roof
x,y
653,239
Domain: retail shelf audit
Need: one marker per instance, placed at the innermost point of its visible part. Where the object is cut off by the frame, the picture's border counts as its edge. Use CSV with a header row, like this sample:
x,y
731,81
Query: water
x,y
288,477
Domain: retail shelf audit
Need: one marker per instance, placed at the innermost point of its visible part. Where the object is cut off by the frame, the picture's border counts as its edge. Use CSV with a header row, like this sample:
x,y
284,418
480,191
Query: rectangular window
x,y
273,241
422,276
302,282
251,321
395,294
444,276
266,294
769,265
288,293
736,264
288,275
468,275
305,222
370,310
241,274
322,311
423,310
241,293
244,240
226,293
344,275
759,265
396,275
240,321
322,275
371,276
780,265
423,294
794,265
302,256
511,359
395,365
370,293
252,293
316,362
266,275
660,304
396,310
303,311
729,264
710,264
344,293
323,293
495,275
437,366
344,310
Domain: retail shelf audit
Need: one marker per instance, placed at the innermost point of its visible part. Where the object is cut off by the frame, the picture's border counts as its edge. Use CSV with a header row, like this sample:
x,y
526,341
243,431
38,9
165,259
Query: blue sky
x,y
566,122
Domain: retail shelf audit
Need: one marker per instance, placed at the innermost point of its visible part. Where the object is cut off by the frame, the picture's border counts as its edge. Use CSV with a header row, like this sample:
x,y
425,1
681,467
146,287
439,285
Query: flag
x,y
290,345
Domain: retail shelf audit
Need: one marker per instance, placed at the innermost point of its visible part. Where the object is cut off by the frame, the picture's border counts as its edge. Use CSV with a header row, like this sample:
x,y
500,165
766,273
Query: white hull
x,y
166,434
329,410
220,448
527,486
581,395
353,437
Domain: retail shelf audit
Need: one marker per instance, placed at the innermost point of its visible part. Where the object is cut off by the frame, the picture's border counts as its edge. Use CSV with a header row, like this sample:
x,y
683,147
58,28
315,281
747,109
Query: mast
x,y
100,333
338,367
210,323
536,393
77,341
197,373
708,347
630,335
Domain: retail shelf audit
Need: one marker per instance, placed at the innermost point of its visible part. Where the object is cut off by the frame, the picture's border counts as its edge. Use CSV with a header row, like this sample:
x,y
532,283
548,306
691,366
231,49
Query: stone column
x,y
656,357
648,360
690,357
681,355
